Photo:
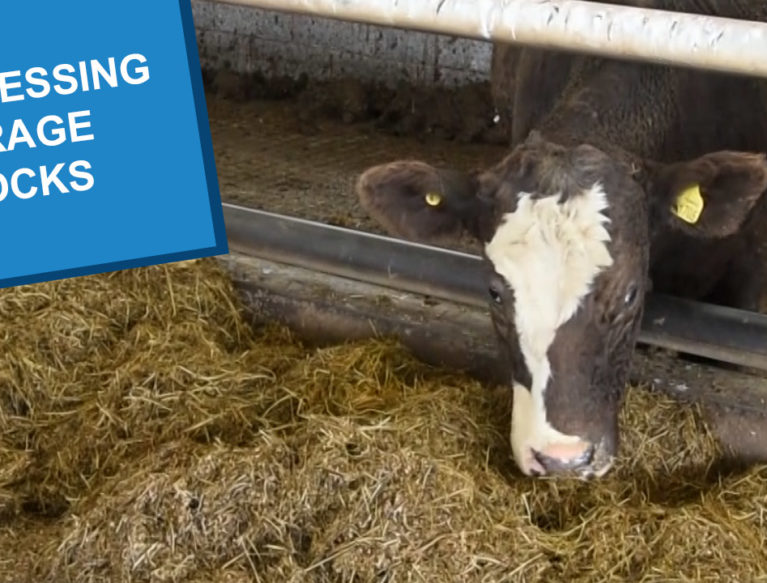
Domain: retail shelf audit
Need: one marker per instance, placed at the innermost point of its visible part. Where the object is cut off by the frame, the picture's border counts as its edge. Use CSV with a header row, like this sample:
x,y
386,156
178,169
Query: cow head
x,y
566,235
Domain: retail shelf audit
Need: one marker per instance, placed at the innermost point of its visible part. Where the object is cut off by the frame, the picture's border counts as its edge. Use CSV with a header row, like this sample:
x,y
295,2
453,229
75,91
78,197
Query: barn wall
x,y
251,40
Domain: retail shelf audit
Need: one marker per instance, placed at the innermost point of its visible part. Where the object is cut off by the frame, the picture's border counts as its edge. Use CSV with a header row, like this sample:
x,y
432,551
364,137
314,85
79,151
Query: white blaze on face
x,y
549,253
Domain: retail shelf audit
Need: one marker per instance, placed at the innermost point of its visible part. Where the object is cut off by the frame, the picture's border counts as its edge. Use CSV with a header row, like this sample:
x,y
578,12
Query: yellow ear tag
x,y
689,205
433,198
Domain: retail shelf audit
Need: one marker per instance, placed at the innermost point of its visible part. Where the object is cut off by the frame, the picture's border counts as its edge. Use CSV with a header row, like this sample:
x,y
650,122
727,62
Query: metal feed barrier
x,y
725,334
704,42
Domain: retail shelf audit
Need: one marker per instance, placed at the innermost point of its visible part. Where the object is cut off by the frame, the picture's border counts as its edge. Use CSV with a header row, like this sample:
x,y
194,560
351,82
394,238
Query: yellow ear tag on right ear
x,y
689,205
433,198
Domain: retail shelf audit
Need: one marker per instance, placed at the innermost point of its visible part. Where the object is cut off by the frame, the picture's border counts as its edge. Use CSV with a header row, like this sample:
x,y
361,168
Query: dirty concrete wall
x,y
254,40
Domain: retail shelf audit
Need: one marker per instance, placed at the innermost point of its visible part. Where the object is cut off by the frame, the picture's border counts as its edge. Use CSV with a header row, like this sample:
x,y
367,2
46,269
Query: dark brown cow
x,y
618,171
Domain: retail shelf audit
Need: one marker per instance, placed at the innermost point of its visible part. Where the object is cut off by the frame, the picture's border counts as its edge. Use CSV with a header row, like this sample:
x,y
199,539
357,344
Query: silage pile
x,y
148,434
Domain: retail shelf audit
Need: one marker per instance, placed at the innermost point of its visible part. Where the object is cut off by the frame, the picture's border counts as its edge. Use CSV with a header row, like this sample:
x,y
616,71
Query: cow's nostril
x,y
565,457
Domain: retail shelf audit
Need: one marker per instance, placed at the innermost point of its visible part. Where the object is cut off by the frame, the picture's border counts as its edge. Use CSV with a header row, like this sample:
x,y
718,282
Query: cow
x,y
620,177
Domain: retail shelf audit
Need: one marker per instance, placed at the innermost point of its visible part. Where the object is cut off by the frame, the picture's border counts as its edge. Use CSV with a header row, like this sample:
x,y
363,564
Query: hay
x,y
147,434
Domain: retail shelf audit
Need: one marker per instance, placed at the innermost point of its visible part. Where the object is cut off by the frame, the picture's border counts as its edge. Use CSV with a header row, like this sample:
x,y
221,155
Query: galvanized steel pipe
x,y
622,32
393,263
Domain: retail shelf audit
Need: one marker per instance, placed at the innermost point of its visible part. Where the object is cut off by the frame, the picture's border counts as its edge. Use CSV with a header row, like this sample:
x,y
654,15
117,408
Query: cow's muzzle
x,y
586,461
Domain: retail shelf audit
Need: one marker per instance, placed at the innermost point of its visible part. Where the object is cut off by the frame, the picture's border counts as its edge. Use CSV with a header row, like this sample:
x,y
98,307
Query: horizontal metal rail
x,y
716,332
623,32
357,255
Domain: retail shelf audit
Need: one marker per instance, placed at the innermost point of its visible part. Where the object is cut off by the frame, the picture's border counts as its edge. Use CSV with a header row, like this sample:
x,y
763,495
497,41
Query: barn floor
x,y
269,158
271,155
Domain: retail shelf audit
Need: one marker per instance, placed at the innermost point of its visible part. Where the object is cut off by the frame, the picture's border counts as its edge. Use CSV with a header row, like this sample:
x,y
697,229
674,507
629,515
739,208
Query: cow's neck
x,y
614,106
745,9
657,113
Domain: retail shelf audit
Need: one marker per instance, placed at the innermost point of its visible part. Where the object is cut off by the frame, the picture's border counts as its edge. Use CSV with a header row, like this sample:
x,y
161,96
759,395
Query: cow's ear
x,y
710,196
416,201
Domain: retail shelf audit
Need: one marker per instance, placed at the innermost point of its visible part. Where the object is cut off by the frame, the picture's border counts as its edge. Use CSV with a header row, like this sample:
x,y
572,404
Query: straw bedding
x,y
148,434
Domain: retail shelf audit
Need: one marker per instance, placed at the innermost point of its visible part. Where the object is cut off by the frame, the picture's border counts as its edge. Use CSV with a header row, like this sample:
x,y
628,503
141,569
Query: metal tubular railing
x,y
622,32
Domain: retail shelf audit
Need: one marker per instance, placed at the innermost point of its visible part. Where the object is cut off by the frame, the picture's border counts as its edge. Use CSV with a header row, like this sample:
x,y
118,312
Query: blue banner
x,y
106,159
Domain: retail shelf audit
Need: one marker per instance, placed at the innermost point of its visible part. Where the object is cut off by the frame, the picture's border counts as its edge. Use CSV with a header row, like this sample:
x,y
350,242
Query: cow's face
x,y
568,249
566,242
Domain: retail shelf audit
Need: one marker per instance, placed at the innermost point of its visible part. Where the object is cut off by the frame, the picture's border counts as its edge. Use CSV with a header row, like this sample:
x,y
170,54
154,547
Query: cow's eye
x,y
631,295
496,292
